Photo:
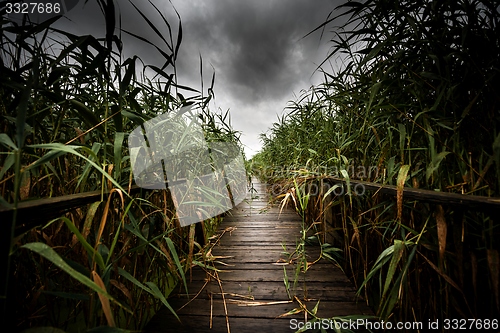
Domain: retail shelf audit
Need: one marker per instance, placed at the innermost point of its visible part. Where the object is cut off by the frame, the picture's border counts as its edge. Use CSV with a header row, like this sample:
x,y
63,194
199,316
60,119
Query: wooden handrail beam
x,y
33,213
425,195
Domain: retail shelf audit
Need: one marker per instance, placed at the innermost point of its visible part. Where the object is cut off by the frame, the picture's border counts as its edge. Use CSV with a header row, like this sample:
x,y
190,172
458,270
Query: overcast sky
x,y
256,47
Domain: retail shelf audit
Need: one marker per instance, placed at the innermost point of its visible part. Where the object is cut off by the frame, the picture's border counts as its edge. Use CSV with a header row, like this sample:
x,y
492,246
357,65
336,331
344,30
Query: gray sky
x,y
255,47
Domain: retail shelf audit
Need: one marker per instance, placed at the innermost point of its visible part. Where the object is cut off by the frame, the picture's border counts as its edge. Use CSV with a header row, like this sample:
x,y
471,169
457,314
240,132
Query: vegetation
x,y
414,104
67,105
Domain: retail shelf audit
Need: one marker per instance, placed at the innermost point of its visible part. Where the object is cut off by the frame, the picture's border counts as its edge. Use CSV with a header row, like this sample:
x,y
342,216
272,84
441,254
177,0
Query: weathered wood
x,y
194,324
423,195
33,213
332,291
251,256
239,307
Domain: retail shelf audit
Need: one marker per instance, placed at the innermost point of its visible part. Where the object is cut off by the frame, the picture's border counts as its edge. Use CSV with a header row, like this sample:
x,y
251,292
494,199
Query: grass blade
x,y
48,253
106,307
174,254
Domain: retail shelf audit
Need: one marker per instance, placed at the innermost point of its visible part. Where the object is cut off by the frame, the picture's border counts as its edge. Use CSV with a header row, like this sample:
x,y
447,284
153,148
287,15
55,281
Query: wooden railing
x,y
453,199
34,213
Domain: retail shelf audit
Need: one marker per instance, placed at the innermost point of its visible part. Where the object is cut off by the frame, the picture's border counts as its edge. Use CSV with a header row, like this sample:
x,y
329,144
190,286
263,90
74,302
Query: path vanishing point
x,y
249,293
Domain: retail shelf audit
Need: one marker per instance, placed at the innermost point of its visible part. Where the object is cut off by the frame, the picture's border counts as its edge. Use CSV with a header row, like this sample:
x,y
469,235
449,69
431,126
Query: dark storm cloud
x,y
256,45
87,18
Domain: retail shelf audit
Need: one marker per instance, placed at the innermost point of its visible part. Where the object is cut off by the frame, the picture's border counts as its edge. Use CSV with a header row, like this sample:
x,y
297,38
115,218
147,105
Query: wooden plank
x,y
246,257
270,231
262,224
275,218
240,307
239,210
273,248
258,237
226,265
426,195
194,324
271,275
251,260
269,252
332,291
239,242
238,264
33,213
238,325
36,212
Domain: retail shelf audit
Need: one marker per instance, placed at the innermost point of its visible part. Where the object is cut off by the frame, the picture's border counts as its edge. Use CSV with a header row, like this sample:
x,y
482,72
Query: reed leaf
x,y
67,103
403,172
399,248
95,255
175,256
155,292
48,253
57,149
106,307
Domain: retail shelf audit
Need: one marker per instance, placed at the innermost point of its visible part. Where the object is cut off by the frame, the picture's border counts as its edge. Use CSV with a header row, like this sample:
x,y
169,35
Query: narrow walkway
x,y
252,289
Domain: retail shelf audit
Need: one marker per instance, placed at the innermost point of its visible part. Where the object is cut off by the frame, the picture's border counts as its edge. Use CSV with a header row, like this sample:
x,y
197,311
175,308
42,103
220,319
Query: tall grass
x,y
67,105
414,104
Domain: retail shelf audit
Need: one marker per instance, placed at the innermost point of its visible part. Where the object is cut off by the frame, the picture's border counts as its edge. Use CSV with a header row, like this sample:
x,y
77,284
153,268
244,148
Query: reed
x,y
414,102
67,105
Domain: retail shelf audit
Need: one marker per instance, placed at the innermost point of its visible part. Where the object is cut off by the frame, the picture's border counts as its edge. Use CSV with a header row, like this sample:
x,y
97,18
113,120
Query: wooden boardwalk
x,y
249,295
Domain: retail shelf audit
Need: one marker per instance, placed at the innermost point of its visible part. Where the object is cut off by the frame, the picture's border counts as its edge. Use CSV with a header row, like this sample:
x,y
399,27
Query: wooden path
x,y
251,289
